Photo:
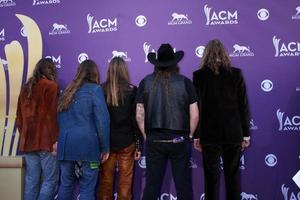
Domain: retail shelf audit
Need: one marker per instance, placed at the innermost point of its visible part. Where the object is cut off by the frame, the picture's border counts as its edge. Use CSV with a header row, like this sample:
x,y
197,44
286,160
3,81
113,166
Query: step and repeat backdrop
x,y
262,38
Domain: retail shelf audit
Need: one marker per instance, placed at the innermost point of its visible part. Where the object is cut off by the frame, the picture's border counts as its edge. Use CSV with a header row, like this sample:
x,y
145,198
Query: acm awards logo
x,y
59,29
241,51
289,195
56,60
179,19
101,25
288,123
7,3
193,163
166,196
297,15
146,48
283,49
252,125
45,2
2,35
223,17
15,65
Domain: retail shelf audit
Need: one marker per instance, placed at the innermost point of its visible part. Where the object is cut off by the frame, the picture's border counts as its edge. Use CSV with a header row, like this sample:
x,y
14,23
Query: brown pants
x,y
125,160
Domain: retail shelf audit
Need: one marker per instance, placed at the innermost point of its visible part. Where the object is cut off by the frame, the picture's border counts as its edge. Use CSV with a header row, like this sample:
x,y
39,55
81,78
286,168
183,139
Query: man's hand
x,y
104,156
137,154
245,144
197,145
54,149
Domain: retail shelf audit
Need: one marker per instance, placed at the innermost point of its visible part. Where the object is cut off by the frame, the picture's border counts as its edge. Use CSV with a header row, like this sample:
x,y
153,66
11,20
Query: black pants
x,y
211,161
157,155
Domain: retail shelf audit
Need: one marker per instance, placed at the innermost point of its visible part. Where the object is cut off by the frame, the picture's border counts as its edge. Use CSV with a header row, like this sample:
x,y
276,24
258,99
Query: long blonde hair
x,y
116,82
87,72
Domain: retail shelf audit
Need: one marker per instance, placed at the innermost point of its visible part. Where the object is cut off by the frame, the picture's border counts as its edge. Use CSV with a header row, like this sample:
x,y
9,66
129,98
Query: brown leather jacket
x,y
37,117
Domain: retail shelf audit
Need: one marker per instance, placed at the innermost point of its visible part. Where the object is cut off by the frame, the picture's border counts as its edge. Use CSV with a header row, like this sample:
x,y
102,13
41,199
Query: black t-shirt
x,y
155,134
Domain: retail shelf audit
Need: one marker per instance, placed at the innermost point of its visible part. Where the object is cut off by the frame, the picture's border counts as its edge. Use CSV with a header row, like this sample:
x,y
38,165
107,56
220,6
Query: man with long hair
x,y
167,115
84,132
124,133
224,120
37,125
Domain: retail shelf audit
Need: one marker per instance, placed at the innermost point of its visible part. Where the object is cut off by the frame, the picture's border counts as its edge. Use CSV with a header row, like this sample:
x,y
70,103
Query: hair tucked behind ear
x,y
44,68
87,72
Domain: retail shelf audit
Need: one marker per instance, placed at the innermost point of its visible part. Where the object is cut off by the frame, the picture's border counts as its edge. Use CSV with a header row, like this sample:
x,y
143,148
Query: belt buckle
x,y
178,139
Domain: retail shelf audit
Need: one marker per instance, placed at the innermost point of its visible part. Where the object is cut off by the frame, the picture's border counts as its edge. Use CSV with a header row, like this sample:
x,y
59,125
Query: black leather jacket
x,y
166,105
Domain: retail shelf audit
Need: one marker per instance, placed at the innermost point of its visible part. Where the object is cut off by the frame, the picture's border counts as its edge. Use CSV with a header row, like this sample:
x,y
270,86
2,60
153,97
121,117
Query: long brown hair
x,y
45,67
87,72
116,82
215,56
163,74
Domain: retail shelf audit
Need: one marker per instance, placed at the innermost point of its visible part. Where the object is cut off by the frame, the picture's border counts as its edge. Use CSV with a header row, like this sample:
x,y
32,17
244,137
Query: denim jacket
x,y
84,126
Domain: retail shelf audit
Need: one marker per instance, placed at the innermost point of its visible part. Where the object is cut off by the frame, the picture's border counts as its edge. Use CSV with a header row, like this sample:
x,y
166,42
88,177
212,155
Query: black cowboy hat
x,y
165,56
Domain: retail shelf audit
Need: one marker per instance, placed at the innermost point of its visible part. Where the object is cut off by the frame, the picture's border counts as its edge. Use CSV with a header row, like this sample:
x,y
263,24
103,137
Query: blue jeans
x,y
87,182
41,176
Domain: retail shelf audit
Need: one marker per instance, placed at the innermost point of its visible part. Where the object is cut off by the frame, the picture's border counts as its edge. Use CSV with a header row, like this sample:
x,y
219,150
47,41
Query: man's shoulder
x,y
183,78
148,77
46,83
200,71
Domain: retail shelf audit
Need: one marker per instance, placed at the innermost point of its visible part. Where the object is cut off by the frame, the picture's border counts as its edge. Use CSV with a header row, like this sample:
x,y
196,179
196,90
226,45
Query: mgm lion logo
x,y
179,17
240,49
59,27
246,196
6,1
119,54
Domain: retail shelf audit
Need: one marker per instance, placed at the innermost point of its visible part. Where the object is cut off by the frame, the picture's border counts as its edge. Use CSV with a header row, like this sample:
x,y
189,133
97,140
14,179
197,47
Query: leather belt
x,y
175,140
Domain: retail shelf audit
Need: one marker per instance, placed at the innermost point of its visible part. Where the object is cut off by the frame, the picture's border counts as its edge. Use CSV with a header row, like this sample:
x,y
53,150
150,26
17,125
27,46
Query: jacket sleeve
x,y
51,95
243,105
102,120
196,84
19,115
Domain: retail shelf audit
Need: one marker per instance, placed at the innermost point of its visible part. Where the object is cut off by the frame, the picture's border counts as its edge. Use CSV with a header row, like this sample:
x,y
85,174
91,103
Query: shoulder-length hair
x,y
86,72
215,56
116,82
46,68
